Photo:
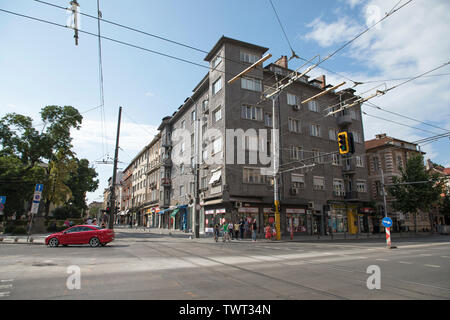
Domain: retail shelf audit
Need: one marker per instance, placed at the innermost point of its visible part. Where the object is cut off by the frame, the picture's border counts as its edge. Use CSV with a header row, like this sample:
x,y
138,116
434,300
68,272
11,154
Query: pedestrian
x,y
67,223
246,228
94,222
242,228
131,223
254,228
268,231
71,223
231,229
237,226
89,221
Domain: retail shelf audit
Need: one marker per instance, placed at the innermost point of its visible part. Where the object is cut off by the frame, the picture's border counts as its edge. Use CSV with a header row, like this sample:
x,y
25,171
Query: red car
x,y
81,234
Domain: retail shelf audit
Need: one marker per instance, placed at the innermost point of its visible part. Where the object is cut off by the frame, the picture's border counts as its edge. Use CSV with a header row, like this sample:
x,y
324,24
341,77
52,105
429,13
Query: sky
x,y
40,64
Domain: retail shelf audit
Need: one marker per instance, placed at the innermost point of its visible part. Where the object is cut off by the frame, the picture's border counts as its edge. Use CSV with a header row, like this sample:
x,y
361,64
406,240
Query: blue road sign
x,y
387,222
2,199
39,187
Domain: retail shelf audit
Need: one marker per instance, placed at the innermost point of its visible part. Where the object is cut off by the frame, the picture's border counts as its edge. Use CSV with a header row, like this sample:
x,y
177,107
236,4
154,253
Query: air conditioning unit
x,y
294,191
296,107
311,205
238,204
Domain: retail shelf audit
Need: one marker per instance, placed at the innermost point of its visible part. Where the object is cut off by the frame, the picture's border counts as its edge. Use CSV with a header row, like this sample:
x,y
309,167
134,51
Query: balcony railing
x,y
351,195
165,181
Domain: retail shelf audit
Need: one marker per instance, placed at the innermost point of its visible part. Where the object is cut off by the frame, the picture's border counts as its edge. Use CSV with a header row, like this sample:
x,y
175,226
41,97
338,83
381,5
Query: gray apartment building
x,y
227,130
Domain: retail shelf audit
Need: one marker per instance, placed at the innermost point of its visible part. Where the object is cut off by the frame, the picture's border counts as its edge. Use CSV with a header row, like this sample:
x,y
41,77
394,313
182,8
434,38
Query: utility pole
x,y
384,193
113,187
74,9
197,173
275,158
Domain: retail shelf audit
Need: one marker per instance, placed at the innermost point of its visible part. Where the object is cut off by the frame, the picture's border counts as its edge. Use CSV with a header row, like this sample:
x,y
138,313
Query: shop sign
x,y
220,210
268,210
291,211
248,210
209,212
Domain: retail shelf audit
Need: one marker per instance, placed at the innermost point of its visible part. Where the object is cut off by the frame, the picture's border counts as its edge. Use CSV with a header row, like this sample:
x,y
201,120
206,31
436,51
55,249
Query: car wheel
x,y
53,242
94,242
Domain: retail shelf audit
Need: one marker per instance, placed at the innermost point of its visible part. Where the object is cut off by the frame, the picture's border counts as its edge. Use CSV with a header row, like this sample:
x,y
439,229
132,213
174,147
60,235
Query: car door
x,y
86,234
70,236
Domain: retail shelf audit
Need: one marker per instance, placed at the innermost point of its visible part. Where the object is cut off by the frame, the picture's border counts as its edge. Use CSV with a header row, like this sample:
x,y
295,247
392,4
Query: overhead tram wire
x,y
401,124
100,69
143,32
373,105
115,40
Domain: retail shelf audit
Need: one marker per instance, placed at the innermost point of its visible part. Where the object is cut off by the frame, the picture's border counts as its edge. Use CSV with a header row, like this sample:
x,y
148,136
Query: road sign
x,y
37,198
387,222
39,187
34,207
2,199
388,236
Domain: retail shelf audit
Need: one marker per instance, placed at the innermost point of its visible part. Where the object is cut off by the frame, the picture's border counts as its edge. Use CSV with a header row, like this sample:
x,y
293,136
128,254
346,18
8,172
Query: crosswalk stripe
x,y
432,266
4,294
5,286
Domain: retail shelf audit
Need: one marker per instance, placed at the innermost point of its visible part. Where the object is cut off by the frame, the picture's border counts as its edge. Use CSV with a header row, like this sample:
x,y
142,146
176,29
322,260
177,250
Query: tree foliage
x,y
410,197
29,156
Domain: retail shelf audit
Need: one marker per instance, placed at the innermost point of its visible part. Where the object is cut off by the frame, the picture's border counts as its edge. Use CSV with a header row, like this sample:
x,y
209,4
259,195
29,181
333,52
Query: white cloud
x,y
12,106
408,43
149,94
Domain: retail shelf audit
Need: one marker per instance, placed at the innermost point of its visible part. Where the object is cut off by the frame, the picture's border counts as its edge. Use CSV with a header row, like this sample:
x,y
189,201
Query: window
x,y
217,145
268,119
193,116
316,155
181,190
251,113
399,161
315,130
182,147
378,188
181,168
216,61
253,175
356,136
203,182
292,99
298,180
296,152
353,114
361,186
217,85
376,164
251,84
359,162
332,134
335,159
338,187
183,124
313,106
217,114
294,125
248,57
205,105
191,187
204,128
318,183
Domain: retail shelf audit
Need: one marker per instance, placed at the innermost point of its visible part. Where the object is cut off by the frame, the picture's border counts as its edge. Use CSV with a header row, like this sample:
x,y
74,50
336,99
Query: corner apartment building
x,y
332,194
389,154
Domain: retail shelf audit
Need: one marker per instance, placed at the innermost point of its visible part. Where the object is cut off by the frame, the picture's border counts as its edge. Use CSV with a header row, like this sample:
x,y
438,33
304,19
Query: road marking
x,y
8,280
4,294
382,259
5,286
404,262
445,257
425,254
432,266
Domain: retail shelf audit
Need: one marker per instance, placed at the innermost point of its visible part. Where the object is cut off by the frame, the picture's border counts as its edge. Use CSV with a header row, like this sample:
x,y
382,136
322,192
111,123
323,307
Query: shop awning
x,y
163,211
215,176
174,213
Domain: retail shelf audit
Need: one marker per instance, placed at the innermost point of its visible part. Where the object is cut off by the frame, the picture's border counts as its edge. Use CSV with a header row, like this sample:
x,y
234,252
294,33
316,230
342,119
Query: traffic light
x,y
108,210
274,207
343,142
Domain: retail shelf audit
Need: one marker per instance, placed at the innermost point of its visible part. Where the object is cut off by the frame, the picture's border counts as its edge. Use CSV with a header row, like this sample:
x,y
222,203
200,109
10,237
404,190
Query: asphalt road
x,y
154,266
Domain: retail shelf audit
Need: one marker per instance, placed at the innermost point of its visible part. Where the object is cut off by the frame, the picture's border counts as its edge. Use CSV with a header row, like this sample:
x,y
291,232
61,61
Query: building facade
x,y
385,157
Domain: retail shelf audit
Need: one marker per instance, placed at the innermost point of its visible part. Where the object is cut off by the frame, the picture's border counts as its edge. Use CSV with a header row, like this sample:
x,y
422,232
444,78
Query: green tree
x,y
410,196
80,182
24,148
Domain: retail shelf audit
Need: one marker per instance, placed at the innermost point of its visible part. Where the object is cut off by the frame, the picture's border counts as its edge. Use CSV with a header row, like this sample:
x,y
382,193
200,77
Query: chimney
x,y
282,62
322,79
380,136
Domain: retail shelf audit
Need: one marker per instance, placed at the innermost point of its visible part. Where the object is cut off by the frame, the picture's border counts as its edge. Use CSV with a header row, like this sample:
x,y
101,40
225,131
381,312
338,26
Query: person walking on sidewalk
x,y
231,230
237,226
254,228
242,229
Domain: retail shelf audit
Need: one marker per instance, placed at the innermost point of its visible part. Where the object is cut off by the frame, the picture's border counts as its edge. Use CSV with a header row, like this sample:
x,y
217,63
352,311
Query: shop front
x,y
213,216
337,219
248,215
296,221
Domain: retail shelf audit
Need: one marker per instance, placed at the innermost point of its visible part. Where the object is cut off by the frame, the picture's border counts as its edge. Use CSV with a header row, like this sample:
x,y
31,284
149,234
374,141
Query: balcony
x,y
351,195
344,120
338,193
348,168
165,182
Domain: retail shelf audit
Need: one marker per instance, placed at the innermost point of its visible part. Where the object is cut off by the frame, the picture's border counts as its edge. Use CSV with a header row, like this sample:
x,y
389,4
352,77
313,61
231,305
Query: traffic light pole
x,y
275,155
113,186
